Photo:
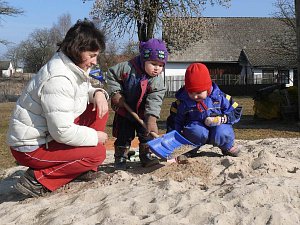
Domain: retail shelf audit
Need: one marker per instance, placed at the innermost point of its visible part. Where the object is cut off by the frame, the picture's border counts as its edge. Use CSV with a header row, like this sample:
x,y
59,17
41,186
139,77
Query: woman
x,y
56,128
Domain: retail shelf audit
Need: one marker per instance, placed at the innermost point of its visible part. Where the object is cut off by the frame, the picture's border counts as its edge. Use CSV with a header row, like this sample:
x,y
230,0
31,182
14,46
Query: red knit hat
x,y
197,78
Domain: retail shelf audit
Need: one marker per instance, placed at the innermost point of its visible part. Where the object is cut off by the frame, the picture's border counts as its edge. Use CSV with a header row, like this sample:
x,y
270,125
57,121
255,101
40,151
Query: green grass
x,y
247,129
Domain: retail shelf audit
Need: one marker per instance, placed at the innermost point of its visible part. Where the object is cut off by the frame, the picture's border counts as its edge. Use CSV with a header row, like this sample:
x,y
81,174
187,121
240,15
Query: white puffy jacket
x,y
48,106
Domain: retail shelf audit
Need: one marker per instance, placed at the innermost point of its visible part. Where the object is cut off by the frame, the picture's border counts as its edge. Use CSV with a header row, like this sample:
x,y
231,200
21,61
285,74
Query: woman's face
x,y
88,59
153,68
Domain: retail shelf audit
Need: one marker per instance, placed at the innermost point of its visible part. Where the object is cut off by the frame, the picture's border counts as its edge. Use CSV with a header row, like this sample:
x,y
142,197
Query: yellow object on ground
x,y
274,105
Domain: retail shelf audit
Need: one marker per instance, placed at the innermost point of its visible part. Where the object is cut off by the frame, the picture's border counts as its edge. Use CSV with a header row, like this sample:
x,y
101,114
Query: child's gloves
x,y
117,101
151,124
215,121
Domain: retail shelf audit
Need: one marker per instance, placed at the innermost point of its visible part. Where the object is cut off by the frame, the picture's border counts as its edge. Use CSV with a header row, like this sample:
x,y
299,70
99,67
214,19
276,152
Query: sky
x,y
39,14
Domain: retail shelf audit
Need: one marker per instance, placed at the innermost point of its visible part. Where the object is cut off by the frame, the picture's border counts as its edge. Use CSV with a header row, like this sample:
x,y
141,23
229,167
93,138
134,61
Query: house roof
x,y
261,58
226,37
4,65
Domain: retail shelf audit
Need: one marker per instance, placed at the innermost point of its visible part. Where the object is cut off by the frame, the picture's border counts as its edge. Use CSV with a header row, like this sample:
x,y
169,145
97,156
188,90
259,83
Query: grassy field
x,y
248,128
6,160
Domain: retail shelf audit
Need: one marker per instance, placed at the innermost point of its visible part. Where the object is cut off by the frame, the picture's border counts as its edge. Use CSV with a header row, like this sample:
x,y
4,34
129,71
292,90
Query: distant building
x,y
237,51
19,70
6,69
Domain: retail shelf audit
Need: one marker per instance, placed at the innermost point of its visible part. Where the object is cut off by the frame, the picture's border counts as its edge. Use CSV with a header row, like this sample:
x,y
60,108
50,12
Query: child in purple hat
x,y
138,83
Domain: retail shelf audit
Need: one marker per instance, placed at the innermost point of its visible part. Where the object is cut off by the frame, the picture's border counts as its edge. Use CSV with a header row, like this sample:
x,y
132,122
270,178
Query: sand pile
x,y
260,187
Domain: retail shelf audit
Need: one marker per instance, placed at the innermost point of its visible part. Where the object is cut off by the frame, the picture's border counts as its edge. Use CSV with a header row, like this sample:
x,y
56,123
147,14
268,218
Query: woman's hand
x,y
101,103
102,137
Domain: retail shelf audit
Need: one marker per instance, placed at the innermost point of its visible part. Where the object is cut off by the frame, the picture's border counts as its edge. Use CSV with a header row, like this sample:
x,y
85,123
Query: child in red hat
x,y
203,113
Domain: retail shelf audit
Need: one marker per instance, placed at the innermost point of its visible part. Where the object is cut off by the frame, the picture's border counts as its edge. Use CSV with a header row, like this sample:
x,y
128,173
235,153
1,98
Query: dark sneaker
x,y
233,152
120,163
147,160
91,175
28,185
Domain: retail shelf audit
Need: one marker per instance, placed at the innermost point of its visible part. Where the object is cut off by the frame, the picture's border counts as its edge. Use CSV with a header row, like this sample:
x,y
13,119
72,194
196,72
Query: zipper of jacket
x,y
46,139
88,83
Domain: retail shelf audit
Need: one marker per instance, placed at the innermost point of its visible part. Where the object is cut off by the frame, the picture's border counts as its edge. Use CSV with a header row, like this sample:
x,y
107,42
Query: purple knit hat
x,y
153,49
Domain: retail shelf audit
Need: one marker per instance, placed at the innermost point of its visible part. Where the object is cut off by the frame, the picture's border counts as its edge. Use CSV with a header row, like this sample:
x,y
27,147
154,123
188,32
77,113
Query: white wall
x,y
175,69
291,80
5,73
8,72
174,75
19,70
257,75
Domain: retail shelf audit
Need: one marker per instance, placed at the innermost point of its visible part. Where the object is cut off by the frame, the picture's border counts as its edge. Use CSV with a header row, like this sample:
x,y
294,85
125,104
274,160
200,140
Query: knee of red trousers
x,y
99,156
101,122
91,119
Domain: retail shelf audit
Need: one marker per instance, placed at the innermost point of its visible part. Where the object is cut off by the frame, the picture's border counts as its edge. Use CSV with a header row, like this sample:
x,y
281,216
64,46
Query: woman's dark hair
x,y
83,36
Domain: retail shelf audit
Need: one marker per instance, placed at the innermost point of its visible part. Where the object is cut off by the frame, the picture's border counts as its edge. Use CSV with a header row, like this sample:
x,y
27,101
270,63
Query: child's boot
x,y
233,152
121,155
145,156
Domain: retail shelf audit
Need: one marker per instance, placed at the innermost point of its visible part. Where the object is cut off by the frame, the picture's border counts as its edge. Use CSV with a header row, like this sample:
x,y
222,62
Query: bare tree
x,y
144,17
59,29
286,12
285,45
109,57
37,50
131,49
34,52
6,10
116,53
14,54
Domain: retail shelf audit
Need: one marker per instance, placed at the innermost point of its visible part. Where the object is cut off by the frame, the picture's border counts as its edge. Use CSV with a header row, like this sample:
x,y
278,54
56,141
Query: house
x,y
6,69
19,70
237,51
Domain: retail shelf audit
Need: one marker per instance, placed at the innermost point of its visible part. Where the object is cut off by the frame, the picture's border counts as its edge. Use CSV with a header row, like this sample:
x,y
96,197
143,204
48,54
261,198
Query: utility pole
x,y
297,10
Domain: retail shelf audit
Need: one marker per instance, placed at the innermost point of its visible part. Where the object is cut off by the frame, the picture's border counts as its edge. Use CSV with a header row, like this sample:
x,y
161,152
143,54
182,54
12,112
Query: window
x,y
268,76
283,77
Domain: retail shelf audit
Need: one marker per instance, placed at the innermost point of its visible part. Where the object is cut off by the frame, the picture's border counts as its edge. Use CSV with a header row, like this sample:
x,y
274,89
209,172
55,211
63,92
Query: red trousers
x,y
60,163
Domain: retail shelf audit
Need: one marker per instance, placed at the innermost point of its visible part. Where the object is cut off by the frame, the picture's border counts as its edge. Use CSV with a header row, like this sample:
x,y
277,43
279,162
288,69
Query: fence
x,y
229,83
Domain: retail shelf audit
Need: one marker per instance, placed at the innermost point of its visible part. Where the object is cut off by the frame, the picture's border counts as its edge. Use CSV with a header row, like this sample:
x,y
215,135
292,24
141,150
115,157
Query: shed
x,y
6,69
237,51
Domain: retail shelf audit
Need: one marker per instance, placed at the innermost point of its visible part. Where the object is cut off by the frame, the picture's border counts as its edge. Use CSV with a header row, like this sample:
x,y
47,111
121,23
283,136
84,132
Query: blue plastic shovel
x,y
165,146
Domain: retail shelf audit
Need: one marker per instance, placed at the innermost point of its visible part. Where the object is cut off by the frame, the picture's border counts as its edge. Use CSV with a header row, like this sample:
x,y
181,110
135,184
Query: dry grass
x,y
6,160
248,128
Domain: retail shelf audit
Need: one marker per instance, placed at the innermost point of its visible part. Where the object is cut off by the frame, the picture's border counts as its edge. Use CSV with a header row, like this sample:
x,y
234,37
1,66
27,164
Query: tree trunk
x,y
142,31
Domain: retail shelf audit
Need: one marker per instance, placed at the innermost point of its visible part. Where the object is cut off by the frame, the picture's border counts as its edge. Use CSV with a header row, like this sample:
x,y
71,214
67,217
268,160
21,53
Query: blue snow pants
x,y
221,136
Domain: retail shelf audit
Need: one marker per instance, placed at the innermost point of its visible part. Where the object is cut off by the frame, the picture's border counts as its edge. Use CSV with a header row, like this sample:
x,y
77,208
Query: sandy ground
x,y
262,186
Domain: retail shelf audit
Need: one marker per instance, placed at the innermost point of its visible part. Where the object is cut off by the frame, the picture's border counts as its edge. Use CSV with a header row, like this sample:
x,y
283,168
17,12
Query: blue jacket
x,y
185,110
